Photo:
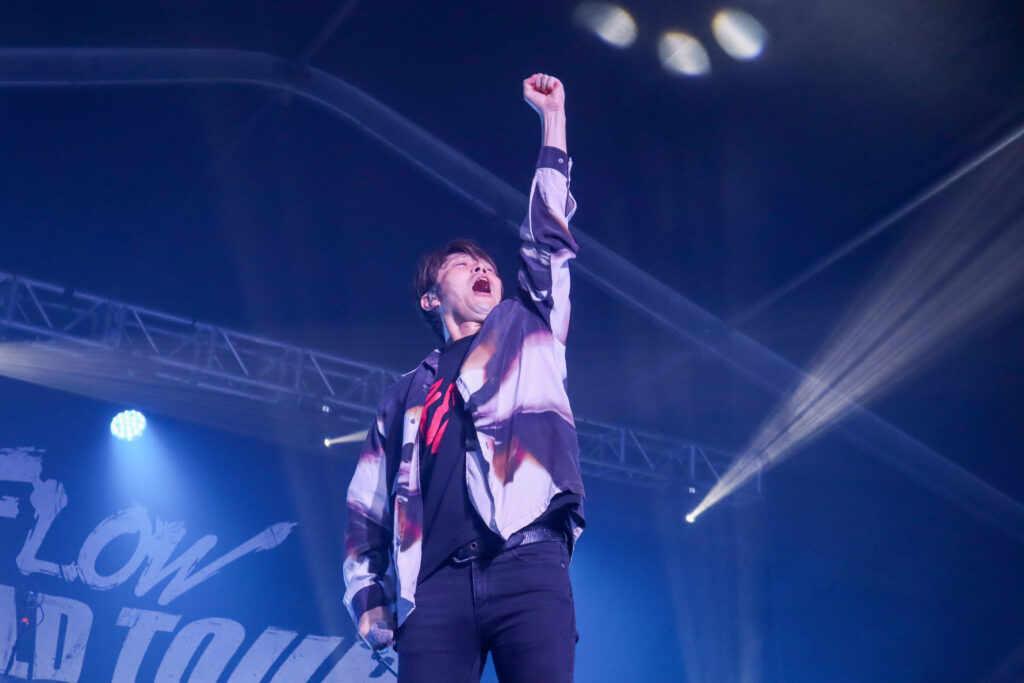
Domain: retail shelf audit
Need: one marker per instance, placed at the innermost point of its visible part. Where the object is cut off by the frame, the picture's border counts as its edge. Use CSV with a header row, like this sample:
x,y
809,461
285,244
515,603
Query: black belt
x,y
531,534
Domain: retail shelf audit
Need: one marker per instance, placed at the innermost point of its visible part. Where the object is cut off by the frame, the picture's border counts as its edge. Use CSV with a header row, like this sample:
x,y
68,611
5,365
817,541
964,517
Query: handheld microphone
x,y
380,636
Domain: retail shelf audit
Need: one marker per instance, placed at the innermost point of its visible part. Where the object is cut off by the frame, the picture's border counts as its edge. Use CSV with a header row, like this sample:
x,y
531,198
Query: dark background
x,y
238,207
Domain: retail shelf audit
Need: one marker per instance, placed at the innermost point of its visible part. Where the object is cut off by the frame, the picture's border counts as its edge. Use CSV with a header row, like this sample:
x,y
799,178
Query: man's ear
x,y
429,301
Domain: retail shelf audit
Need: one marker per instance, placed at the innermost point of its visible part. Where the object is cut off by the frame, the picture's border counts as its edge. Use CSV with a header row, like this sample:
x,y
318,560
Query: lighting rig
x,y
113,350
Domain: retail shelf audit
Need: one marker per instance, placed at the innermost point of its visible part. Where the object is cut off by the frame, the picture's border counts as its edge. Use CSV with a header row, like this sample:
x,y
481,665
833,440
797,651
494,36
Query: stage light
x,y
961,271
128,425
682,53
610,23
739,34
347,438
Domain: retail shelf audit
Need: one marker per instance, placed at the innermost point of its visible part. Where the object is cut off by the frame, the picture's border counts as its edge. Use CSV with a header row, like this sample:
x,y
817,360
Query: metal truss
x,y
253,374
655,461
182,351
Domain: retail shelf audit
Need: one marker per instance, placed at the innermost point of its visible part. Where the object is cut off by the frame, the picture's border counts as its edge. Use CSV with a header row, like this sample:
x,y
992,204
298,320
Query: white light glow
x,y
961,272
347,438
683,54
128,425
740,34
610,23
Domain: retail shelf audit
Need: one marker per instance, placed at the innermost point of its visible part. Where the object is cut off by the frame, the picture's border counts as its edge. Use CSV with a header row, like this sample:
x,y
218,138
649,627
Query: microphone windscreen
x,y
380,636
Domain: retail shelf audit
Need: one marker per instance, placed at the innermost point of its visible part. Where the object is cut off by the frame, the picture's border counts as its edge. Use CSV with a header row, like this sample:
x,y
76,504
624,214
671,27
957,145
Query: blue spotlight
x,y
128,425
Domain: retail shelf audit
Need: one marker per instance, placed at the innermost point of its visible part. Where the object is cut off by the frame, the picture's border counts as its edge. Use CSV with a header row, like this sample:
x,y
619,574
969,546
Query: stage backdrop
x,y
187,554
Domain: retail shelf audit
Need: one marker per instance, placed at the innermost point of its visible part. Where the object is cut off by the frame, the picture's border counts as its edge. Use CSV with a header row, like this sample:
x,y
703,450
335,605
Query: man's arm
x,y
369,576
547,244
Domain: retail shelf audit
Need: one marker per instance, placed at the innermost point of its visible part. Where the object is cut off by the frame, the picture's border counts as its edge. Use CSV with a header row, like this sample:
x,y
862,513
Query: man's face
x,y
467,290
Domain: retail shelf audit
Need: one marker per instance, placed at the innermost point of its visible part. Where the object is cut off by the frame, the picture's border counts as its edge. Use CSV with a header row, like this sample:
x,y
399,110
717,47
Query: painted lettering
x,y
227,636
142,626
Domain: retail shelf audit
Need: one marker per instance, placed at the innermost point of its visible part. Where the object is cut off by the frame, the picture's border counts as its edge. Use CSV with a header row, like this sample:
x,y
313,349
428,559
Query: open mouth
x,y
482,286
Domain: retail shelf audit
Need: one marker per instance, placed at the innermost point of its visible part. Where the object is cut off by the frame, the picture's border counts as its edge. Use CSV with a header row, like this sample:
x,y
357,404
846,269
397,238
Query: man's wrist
x,y
554,129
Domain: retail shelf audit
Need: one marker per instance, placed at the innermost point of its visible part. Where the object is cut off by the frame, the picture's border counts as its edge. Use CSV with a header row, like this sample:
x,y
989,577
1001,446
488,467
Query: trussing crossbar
x,y
246,368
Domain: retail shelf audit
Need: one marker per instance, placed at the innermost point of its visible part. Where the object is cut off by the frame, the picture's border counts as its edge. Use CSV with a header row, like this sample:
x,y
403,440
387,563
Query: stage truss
x,y
330,394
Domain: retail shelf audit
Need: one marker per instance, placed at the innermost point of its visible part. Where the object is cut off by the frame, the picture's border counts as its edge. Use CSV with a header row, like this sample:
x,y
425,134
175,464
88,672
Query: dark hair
x,y
426,275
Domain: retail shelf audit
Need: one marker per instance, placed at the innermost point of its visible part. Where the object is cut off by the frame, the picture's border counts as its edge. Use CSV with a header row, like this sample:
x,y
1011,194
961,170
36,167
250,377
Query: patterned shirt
x,y
513,385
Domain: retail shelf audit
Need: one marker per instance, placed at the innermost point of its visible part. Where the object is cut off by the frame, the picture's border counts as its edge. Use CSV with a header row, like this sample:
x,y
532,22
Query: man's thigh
x,y
531,621
440,640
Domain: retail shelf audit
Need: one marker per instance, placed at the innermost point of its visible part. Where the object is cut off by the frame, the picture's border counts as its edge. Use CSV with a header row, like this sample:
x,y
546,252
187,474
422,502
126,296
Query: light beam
x,y
347,438
962,269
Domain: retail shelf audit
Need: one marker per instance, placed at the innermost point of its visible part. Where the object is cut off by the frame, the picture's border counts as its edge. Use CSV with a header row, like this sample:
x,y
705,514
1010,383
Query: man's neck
x,y
456,331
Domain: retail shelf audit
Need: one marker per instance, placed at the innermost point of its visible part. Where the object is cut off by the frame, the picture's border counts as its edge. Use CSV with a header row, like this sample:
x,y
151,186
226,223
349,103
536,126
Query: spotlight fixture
x,y
610,23
683,54
347,438
128,425
739,34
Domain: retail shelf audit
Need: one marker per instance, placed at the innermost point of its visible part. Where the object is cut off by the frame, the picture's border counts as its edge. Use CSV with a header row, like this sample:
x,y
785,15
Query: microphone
x,y
380,636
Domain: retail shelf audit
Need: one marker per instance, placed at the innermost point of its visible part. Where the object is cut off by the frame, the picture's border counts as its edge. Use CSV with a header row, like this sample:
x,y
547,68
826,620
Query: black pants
x,y
516,606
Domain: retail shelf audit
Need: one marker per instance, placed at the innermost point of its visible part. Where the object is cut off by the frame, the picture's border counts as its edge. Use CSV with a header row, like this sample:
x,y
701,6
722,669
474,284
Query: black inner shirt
x,y
449,518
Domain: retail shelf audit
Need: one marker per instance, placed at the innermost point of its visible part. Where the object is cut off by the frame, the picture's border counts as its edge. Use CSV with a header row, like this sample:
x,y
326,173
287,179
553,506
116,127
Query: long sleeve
x,y
369,574
548,246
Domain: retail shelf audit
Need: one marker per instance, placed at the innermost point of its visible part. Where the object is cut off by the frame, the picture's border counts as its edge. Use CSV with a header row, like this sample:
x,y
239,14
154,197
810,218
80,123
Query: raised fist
x,y
544,93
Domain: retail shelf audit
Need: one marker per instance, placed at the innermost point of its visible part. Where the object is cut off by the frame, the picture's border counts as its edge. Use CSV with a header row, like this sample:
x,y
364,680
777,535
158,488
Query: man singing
x,y
467,497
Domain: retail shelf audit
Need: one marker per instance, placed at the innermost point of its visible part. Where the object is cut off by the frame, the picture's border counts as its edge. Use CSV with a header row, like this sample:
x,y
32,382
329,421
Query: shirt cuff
x,y
368,598
552,157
